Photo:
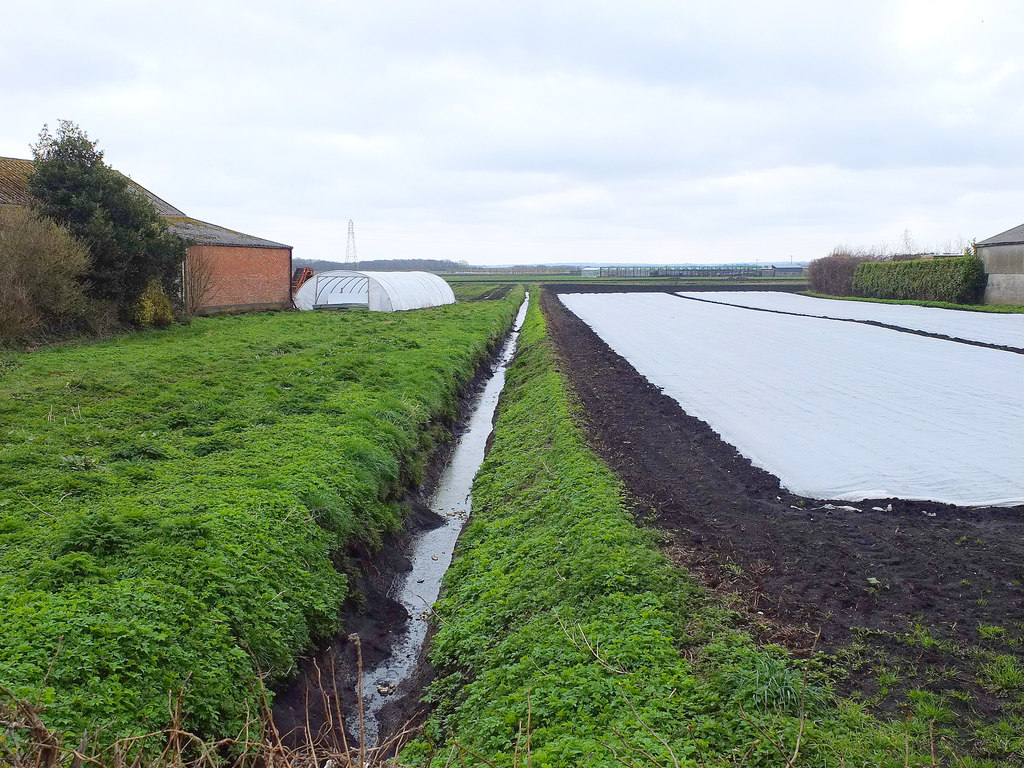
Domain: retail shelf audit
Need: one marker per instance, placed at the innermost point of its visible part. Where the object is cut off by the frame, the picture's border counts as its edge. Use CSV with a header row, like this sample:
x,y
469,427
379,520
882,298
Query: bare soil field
x,y
926,592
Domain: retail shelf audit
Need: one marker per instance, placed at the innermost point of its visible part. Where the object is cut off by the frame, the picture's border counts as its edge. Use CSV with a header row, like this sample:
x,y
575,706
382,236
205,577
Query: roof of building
x,y
164,208
1009,237
14,180
14,173
204,233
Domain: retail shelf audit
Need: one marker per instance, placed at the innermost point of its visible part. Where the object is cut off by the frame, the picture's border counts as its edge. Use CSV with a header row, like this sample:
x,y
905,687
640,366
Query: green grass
x,y
560,620
996,308
1002,674
470,291
173,504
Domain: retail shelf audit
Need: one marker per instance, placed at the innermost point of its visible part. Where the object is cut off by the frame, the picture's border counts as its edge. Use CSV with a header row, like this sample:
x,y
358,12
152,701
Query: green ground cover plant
x,y
565,638
958,280
176,506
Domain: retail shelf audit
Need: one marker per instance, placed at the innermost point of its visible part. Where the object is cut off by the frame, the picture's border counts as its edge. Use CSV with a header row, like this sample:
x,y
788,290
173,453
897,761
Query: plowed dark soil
x,y
912,585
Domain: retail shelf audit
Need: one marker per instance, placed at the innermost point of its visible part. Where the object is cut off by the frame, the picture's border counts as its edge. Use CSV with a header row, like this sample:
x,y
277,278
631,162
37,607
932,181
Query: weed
x,y
991,632
1001,674
888,678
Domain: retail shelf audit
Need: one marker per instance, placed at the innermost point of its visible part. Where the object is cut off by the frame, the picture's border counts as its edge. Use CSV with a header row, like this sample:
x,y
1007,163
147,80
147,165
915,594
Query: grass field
x,y
566,639
175,505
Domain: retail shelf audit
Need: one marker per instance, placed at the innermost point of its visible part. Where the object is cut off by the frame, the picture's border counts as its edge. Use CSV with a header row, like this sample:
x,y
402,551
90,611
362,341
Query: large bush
x,y
960,280
41,270
833,274
128,239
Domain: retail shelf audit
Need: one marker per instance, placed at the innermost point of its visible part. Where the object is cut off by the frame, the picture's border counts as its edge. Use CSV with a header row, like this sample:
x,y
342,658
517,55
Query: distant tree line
x,y
439,266
89,253
386,265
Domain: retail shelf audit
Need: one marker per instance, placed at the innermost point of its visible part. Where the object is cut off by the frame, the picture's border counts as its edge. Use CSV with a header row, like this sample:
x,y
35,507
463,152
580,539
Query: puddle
x,y
431,551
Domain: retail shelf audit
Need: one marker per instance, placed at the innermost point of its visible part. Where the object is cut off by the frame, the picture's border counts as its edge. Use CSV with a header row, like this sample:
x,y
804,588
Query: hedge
x,y
833,274
960,280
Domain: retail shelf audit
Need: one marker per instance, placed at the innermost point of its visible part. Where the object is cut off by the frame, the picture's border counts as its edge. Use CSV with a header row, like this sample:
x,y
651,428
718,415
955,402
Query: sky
x,y
544,132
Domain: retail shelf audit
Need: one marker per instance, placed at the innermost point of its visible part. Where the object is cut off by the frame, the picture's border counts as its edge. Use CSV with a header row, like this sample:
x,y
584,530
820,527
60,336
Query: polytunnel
x,y
378,291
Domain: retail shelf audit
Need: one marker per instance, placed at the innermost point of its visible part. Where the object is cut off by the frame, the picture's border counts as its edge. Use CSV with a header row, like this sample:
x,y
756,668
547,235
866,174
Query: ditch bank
x,y
915,583
365,685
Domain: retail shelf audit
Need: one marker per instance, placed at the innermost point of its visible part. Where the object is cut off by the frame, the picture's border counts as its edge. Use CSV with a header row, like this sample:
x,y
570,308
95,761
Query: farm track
x,y
798,568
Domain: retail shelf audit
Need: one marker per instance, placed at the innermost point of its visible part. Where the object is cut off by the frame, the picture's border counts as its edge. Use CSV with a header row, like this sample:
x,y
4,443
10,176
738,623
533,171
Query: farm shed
x,y
378,291
1003,257
224,271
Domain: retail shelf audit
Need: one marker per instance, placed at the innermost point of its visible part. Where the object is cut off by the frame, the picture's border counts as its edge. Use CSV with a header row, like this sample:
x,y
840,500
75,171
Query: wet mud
x,y
807,573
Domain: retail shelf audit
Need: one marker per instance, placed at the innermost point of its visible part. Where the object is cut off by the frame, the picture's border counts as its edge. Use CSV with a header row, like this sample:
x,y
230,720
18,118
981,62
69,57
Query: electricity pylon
x,y
351,259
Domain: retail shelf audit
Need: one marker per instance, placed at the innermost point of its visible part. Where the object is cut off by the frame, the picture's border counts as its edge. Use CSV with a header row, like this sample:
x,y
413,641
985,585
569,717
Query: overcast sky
x,y
516,132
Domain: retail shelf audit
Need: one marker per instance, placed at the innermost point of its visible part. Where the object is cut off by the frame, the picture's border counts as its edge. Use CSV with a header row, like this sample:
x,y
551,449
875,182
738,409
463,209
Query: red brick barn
x,y
228,271
224,271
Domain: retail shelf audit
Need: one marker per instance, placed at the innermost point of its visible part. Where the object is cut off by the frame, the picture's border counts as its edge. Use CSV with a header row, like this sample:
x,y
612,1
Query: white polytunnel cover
x,y
379,291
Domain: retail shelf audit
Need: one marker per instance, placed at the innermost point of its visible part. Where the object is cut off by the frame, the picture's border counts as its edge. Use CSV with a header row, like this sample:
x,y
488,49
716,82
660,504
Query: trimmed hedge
x,y
960,280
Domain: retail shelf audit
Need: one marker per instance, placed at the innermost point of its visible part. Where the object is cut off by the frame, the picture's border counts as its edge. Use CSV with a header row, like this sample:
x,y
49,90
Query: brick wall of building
x,y
234,278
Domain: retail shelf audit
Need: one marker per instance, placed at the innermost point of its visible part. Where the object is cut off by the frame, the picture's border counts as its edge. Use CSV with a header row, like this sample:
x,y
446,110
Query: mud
x,y
804,572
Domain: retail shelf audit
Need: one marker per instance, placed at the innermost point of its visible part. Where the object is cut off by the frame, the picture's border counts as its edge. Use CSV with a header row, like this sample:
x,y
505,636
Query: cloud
x,y
536,131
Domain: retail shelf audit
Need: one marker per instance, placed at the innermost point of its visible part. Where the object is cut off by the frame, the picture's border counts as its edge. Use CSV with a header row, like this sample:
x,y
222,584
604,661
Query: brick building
x,y
224,271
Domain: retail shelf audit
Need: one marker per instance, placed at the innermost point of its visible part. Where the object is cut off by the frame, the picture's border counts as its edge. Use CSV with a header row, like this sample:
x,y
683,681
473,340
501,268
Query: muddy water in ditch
x,y
431,551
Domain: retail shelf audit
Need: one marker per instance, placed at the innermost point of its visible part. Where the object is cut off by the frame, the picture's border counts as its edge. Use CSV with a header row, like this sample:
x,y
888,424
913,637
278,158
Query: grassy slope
x,y
552,561
996,308
472,290
170,502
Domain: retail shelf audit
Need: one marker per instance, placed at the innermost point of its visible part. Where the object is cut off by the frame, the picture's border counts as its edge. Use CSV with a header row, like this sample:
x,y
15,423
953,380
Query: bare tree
x,y
196,281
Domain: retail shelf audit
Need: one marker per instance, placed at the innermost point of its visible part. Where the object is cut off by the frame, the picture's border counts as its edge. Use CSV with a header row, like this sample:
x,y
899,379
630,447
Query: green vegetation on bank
x,y
958,280
562,628
473,291
175,505
996,308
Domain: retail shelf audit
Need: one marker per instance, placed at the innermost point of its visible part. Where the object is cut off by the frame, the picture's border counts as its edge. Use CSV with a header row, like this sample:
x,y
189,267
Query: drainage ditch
x,y
323,705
